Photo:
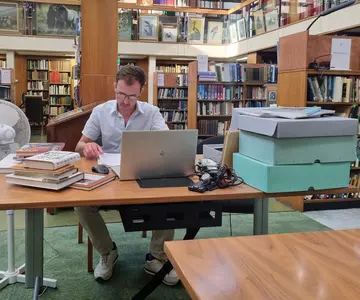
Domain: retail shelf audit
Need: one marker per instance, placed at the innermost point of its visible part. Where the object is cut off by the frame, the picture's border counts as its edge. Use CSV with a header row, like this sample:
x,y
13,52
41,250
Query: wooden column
x,y
99,47
144,64
253,58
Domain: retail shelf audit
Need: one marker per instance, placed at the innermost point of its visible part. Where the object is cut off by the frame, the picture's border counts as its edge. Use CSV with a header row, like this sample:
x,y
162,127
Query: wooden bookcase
x,y
244,99
51,78
172,99
7,90
293,85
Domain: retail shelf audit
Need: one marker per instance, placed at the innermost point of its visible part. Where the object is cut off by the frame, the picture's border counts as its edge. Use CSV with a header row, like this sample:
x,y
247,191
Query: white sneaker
x,y
153,265
105,266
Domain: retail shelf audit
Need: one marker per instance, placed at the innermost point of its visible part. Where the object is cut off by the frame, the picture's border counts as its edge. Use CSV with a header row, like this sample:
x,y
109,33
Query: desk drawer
x,y
171,215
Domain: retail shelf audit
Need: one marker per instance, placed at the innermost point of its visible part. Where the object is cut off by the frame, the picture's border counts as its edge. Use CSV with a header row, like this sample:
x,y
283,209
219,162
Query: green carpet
x,y
65,260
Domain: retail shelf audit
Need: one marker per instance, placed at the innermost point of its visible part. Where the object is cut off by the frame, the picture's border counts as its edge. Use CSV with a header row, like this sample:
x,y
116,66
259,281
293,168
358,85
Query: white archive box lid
x,y
295,128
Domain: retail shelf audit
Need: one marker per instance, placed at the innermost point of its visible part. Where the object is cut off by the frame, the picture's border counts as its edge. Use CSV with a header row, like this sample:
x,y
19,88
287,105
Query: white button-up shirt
x,y
106,122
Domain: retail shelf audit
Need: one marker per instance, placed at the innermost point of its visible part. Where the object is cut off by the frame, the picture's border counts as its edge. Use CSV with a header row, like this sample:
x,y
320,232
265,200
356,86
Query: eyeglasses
x,y
123,96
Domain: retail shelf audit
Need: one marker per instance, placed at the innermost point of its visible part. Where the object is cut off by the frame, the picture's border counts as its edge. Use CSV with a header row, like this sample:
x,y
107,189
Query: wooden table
x,y
314,265
115,193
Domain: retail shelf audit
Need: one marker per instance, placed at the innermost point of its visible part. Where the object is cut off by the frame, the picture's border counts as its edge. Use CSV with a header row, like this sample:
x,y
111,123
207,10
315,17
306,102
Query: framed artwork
x,y
259,21
233,33
196,30
241,26
272,20
148,28
272,97
9,18
124,26
215,32
169,33
57,19
269,5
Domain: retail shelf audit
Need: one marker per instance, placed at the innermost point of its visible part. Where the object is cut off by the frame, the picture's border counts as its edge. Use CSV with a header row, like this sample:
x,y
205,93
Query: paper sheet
x,y
202,63
161,79
7,162
340,54
5,76
109,159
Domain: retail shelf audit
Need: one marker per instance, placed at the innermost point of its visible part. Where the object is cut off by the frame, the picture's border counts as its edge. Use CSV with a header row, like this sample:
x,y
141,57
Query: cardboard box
x,y
308,150
287,128
213,152
291,178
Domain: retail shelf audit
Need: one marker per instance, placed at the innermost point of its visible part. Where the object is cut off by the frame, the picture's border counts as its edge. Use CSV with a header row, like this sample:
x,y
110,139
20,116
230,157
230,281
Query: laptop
x,y
157,154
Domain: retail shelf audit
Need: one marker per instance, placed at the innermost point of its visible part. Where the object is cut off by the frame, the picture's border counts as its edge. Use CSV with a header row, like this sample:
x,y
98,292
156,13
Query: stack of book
x,y
207,76
52,170
32,149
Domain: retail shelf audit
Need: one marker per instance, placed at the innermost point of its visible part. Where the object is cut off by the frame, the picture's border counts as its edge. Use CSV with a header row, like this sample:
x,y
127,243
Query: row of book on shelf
x,y
176,68
44,64
235,72
214,108
333,89
59,89
38,85
55,100
172,93
180,104
46,166
174,116
212,127
217,4
219,92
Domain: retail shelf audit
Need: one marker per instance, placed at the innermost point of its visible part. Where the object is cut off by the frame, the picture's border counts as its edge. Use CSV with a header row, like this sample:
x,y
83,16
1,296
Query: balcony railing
x,y
214,22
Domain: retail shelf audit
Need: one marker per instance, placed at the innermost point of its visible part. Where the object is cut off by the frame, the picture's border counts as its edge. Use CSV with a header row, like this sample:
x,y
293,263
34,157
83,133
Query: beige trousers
x,y
94,224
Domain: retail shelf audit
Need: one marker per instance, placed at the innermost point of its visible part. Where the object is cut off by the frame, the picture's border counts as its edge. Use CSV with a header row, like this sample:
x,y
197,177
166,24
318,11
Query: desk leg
x,y
159,276
34,248
261,216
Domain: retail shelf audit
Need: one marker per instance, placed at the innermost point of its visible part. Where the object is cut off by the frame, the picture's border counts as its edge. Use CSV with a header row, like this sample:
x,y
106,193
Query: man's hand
x,y
92,150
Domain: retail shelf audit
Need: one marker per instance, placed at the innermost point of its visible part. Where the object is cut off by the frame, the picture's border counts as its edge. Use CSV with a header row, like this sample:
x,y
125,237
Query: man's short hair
x,y
130,73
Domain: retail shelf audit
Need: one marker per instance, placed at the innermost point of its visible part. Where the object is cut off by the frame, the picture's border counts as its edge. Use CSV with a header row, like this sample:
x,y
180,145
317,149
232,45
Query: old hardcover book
x,y
51,160
32,149
65,172
44,183
92,181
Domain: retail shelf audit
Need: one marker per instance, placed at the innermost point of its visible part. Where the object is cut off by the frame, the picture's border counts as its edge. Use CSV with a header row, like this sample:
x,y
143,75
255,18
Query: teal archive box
x,y
291,178
305,150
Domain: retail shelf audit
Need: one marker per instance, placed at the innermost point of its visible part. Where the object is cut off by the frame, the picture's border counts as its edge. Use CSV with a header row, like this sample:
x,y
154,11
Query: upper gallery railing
x,y
212,22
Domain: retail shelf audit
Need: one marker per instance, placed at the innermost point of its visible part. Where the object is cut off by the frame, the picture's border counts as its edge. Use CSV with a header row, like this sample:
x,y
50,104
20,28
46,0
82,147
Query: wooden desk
x,y
316,265
115,193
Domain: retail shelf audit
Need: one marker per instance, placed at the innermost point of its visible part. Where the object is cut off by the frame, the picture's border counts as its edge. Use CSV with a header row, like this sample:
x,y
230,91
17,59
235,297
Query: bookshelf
x,y
7,85
211,100
171,96
51,79
337,90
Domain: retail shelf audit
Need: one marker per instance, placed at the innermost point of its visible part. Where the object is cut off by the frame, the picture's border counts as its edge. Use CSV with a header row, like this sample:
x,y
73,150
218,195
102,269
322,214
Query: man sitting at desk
x,y
109,121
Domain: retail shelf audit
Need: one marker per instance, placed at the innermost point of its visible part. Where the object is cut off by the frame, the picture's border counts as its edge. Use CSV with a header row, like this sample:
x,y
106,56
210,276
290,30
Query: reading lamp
x,y
331,10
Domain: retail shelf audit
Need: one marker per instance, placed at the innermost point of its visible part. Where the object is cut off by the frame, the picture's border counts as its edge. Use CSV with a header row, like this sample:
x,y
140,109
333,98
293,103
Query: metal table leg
x,y
261,216
159,276
34,247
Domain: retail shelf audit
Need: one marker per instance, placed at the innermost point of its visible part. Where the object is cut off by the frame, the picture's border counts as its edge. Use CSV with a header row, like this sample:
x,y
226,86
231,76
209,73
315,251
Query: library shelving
x,y
213,95
171,96
7,84
51,79
337,90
